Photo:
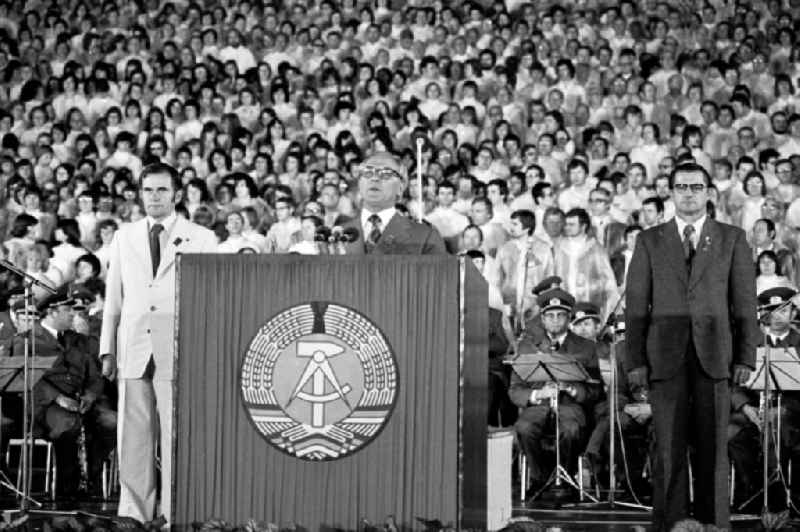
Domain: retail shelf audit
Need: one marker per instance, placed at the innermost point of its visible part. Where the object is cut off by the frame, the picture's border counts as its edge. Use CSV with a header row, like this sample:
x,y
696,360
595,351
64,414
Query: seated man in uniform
x,y
534,329
575,400
744,436
68,394
99,441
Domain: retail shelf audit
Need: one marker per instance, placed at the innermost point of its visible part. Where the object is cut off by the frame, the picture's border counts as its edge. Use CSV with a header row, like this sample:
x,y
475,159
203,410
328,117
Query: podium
x,y
330,391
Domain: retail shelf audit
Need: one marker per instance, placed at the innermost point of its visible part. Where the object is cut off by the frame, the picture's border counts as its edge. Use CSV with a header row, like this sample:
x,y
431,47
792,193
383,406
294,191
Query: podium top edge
x,y
311,259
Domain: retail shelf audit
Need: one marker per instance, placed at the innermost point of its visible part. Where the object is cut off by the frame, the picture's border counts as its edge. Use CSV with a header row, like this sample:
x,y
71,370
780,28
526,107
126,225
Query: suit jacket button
x,y
148,331
153,308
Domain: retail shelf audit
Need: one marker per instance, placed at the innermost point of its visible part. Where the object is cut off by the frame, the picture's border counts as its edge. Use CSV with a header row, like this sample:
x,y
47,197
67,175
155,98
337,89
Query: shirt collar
x,y
698,226
49,329
559,339
778,337
385,215
166,223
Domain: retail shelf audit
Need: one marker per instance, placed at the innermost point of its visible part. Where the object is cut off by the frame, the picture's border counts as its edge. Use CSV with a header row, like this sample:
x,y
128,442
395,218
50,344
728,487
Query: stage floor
x,y
574,520
562,520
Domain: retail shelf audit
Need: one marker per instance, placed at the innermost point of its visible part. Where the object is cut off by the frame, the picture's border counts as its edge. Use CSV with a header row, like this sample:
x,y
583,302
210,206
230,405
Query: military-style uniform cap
x,y
775,297
555,298
585,310
554,281
60,298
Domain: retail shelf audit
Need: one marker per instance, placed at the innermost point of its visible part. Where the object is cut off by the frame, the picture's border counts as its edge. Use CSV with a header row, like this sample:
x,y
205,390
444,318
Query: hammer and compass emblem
x,y
319,381
319,372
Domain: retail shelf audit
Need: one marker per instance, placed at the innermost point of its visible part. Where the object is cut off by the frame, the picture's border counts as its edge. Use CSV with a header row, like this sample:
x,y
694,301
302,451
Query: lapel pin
x,y
177,241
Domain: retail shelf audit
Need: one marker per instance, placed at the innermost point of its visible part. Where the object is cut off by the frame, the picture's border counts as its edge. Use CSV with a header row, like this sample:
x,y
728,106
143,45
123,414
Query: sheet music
x,y
549,367
785,370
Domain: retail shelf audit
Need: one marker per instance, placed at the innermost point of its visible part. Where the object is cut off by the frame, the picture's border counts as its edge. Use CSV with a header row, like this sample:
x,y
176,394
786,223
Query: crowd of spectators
x,y
549,129
574,112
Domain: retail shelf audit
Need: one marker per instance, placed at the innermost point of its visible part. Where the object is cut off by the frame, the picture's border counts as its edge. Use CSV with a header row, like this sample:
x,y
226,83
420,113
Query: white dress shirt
x,y
385,215
698,228
776,338
49,329
167,223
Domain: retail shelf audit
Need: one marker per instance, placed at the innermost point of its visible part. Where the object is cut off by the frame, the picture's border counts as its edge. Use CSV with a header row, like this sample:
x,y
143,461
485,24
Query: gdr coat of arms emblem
x,y
319,381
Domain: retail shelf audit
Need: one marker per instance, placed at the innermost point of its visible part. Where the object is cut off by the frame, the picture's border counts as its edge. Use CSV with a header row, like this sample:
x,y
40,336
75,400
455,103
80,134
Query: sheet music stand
x,y
542,367
777,370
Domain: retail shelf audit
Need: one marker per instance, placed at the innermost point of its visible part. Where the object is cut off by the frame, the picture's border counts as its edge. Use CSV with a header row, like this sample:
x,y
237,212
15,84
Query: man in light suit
x,y
137,339
691,328
381,229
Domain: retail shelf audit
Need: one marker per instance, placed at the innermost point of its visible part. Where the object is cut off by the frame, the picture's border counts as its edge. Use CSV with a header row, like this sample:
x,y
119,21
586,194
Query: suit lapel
x,y
140,244
391,235
674,249
179,234
545,345
707,247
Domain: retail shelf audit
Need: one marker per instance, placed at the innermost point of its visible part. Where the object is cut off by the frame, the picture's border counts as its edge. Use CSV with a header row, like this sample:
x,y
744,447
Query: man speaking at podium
x,y
381,229
691,328
138,336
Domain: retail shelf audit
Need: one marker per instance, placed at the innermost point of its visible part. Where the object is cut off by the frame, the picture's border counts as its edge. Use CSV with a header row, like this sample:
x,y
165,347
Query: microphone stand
x,y
26,462
419,144
613,385
521,284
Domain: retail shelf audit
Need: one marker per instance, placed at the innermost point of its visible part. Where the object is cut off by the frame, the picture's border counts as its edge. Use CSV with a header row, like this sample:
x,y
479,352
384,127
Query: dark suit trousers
x,y
69,469
744,448
536,421
690,409
502,412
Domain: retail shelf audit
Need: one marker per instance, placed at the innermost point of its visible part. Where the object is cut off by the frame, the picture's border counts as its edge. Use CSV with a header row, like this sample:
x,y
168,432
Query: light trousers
x,y
144,423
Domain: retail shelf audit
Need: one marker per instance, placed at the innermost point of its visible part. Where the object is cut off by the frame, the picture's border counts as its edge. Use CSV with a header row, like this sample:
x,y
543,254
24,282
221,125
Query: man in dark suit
x,y
621,260
575,400
381,229
609,232
691,327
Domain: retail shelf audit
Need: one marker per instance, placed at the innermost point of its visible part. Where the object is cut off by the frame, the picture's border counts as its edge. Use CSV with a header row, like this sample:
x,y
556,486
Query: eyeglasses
x,y
694,187
382,173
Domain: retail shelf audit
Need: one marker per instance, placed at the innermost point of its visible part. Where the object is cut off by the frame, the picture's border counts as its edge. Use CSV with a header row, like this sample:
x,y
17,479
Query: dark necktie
x,y
688,245
155,246
555,346
60,338
375,232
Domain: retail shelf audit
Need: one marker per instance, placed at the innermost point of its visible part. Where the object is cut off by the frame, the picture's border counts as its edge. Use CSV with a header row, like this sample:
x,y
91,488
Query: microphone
x,y
335,245
350,234
341,236
322,234
321,237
